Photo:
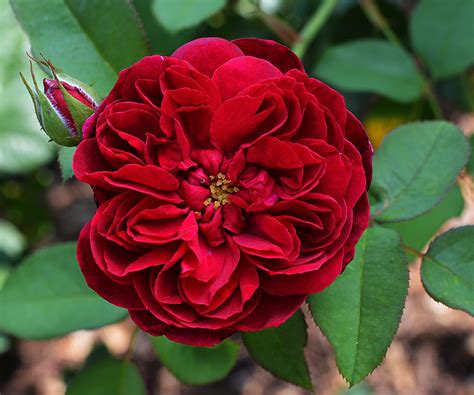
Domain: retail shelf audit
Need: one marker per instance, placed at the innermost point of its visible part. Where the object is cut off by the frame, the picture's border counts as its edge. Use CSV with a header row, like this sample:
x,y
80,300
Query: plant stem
x,y
377,19
314,25
432,99
131,345
375,16
412,251
278,26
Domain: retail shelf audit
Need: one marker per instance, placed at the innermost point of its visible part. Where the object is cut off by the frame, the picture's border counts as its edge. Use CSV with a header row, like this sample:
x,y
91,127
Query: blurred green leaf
x,y
178,15
470,164
107,376
372,65
65,162
46,296
4,273
442,33
91,40
414,168
12,241
4,343
359,389
23,147
281,350
162,41
196,365
360,312
23,201
22,150
417,232
447,270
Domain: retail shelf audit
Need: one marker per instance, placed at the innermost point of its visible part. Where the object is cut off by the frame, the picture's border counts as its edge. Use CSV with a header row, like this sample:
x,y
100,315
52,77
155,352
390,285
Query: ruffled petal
x,y
237,74
207,54
356,134
280,56
194,337
123,295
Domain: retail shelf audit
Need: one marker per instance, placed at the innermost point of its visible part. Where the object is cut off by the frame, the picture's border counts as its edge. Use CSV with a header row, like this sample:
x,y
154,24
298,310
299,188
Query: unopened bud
x,y
64,105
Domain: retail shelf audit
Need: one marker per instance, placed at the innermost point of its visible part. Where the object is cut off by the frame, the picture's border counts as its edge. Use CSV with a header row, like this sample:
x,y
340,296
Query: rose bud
x,y
63,107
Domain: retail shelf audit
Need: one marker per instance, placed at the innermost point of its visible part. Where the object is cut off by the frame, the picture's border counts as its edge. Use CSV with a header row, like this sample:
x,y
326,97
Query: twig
x,y
314,25
375,16
413,251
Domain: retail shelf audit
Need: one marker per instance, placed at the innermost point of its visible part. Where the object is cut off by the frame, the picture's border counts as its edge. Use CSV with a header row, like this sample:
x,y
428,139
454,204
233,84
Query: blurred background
x,y
433,353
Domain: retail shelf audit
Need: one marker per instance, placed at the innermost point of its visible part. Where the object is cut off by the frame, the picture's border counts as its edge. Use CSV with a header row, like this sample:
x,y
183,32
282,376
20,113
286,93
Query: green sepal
x,y
78,110
32,93
60,76
87,89
53,124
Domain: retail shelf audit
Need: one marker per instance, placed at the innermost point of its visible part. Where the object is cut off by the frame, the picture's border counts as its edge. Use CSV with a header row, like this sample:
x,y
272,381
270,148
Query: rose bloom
x,y
229,186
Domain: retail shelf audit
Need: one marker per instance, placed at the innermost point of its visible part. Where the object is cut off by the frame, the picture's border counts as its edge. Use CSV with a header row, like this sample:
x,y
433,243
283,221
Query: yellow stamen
x,y
220,191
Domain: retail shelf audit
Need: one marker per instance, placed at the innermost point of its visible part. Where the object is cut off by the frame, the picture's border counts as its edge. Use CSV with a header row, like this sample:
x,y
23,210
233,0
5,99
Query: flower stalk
x,y
314,25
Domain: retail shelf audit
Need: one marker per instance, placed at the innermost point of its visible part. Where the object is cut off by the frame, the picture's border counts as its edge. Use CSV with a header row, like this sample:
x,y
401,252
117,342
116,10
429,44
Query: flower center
x,y
220,191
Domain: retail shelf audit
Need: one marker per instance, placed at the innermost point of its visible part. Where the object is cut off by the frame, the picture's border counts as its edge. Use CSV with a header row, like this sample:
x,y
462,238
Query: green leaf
x,y
46,296
281,350
447,270
65,162
442,33
196,365
415,167
178,15
4,343
23,147
91,40
374,66
163,41
470,164
107,376
22,150
360,312
359,389
12,241
4,273
417,232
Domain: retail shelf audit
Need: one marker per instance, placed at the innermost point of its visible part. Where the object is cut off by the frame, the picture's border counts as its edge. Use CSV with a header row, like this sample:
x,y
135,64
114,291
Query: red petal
x,y
278,55
356,134
228,135
239,73
271,311
305,283
207,54
269,238
361,216
194,337
122,295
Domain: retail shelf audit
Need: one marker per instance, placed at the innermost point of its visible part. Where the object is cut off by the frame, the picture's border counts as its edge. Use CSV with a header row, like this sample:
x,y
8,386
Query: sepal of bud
x,y
64,105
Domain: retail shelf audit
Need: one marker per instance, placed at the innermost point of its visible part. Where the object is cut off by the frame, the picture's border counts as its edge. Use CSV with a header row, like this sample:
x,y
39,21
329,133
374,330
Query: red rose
x,y
229,185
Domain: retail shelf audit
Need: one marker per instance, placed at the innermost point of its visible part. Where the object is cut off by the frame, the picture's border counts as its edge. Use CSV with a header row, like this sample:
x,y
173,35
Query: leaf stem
x,y
131,345
432,99
377,19
375,16
314,25
412,251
